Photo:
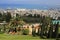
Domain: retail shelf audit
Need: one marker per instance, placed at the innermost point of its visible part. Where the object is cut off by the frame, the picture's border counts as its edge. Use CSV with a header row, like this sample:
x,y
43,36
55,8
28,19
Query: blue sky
x,y
38,2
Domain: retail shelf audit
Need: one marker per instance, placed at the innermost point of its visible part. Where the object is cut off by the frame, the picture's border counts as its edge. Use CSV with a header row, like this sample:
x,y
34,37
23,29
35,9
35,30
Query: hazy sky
x,y
44,2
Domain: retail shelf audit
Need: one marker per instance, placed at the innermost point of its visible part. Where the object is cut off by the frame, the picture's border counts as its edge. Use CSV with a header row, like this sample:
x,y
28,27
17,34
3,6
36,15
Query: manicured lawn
x,y
19,37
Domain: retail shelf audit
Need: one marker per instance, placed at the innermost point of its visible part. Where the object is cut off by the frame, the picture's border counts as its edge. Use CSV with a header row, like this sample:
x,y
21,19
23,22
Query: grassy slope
x,y
19,37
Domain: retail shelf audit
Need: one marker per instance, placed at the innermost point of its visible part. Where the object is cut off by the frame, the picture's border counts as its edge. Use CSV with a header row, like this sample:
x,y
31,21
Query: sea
x,y
27,6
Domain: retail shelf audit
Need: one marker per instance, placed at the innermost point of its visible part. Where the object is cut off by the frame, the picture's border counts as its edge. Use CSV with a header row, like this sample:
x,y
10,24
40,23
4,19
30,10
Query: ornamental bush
x,y
25,31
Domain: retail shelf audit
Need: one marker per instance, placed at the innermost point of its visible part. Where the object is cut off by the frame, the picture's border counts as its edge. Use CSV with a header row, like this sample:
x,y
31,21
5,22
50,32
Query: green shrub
x,y
25,31
1,31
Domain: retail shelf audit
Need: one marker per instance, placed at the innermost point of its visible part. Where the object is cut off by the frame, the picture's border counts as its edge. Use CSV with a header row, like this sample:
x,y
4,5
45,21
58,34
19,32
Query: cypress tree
x,y
56,29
